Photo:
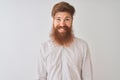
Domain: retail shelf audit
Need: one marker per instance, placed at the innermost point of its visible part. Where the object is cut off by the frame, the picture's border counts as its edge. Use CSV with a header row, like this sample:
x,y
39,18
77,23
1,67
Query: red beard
x,y
63,38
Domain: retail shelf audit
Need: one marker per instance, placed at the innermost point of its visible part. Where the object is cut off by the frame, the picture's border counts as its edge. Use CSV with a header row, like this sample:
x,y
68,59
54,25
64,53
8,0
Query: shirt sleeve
x,y
87,72
41,66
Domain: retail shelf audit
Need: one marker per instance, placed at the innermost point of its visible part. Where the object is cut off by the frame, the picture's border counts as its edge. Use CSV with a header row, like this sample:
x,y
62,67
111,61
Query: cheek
x,y
69,24
55,24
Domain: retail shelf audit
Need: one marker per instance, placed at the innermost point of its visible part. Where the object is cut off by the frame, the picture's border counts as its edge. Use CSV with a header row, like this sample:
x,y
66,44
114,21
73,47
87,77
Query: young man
x,y
64,57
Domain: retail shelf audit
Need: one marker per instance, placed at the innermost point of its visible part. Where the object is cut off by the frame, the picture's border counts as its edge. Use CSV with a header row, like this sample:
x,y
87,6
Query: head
x,y
62,14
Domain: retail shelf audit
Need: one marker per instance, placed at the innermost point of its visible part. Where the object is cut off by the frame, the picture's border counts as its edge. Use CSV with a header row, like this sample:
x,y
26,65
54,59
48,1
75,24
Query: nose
x,y
62,23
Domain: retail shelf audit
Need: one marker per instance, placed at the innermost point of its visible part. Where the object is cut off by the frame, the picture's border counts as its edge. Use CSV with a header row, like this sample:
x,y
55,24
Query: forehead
x,y
62,15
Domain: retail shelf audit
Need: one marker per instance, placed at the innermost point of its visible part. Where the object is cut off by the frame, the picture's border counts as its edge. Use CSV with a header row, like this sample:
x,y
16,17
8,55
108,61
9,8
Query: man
x,y
64,57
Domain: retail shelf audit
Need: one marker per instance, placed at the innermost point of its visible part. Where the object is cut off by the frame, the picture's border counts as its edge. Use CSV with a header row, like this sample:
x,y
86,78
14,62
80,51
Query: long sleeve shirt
x,y
65,63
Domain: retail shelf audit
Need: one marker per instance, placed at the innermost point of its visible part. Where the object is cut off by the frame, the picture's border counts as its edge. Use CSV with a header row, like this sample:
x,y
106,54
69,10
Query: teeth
x,y
62,30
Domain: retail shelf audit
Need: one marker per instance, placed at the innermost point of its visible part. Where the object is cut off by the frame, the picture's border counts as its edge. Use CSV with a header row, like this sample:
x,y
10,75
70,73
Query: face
x,y
62,19
62,29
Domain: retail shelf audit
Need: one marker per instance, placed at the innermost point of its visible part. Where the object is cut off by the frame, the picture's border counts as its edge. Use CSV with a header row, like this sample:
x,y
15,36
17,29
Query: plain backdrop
x,y
24,24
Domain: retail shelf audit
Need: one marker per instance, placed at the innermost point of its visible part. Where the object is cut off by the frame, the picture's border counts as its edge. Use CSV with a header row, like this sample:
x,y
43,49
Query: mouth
x,y
62,29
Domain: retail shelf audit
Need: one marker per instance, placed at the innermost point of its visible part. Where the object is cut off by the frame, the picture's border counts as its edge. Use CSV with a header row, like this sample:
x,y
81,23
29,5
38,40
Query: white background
x,y
24,24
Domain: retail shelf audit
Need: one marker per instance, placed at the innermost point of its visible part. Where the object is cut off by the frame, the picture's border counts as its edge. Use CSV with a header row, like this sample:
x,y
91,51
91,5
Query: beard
x,y
62,38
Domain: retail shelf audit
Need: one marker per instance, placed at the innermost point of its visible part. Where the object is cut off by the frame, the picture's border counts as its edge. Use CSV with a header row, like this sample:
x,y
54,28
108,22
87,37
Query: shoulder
x,y
46,45
80,41
44,48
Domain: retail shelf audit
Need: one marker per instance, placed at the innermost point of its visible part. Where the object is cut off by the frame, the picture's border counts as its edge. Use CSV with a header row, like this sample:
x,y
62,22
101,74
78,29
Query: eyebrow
x,y
65,17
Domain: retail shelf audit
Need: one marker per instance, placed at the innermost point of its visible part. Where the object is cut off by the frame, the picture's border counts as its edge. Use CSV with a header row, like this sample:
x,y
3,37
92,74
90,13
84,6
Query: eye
x,y
58,19
67,19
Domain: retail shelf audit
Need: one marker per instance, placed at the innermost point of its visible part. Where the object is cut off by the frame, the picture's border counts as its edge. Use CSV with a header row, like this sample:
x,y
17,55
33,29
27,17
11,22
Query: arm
x,y
42,73
87,73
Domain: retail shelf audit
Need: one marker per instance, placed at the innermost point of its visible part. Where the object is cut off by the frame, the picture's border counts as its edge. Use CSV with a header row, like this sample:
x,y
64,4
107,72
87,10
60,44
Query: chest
x,y
64,56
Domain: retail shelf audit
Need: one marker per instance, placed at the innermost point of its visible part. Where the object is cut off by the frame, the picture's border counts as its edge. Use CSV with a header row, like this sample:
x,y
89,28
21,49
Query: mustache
x,y
63,27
